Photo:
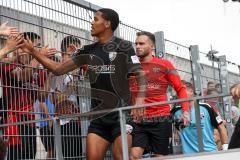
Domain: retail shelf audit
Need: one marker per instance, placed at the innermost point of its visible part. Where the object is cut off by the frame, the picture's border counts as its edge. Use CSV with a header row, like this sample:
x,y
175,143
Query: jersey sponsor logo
x,y
103,69
156,69
153,85
135,59
112,56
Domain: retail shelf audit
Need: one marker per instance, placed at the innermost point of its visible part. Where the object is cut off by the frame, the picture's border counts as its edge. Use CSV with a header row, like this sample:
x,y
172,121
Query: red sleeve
x,y
8,67
133,88
43,76
175,82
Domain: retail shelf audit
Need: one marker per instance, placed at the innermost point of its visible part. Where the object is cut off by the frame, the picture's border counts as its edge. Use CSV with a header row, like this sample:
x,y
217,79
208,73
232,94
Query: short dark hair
x,y
210,82
31,35
69,40
188,85
210,91
110,15
148,34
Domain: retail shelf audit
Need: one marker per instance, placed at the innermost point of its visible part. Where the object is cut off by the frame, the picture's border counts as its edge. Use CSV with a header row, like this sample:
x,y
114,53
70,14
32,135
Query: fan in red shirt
x,y
21,82
12,43
18,94
154,130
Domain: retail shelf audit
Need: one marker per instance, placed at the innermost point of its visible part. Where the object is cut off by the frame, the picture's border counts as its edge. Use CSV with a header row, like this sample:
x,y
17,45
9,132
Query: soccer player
x,y
109,61
156,129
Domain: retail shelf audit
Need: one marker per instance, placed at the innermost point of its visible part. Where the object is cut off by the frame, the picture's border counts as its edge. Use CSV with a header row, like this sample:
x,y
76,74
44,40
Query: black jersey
x,y
108,67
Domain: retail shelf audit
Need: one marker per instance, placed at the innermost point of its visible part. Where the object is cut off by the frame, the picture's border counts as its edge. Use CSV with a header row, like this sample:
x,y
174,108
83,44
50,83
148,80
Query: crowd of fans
x,y
29,92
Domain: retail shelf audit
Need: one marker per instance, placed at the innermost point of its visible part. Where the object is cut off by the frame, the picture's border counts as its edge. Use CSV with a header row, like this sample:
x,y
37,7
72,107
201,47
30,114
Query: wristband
x,y
225,147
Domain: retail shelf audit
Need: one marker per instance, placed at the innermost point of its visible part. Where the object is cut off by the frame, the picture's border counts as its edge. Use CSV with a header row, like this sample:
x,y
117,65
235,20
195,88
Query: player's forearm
x,y
142,87
175,81
183,94
46,62
223,133
9,59
3,53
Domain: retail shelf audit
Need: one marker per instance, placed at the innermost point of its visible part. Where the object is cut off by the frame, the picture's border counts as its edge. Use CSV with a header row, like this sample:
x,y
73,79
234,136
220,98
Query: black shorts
x,y
154,136
106,128
47,138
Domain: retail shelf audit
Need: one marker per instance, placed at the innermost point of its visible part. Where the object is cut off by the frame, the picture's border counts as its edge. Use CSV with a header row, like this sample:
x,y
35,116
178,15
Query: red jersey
x,y
160,73
20,97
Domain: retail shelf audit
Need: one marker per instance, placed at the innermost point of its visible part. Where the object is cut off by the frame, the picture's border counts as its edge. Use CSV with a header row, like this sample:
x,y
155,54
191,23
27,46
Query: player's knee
x,y
94,156
135,155
118,156
132,157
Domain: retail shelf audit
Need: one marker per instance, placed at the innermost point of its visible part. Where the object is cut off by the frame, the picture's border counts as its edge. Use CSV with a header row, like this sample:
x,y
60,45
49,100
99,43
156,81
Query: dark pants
x,y
28,147
235,139
47,138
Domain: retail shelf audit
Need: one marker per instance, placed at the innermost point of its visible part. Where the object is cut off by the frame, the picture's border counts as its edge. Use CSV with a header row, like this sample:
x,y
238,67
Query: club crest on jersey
x,y
135,59
112,56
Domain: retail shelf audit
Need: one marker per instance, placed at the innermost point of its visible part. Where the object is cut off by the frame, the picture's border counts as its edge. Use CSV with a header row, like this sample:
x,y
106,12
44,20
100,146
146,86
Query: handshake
x,y
21,42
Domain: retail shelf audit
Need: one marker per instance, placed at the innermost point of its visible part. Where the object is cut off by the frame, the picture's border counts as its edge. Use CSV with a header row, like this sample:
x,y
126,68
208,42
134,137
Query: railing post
x,y
85,103
58,139
160,44
225,90
196,73
122,117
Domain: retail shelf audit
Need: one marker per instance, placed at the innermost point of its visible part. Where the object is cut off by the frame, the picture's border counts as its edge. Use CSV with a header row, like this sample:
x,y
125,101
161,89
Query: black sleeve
x,y
81,56
216,119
